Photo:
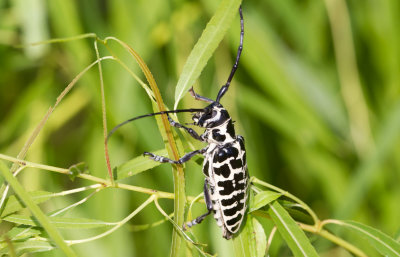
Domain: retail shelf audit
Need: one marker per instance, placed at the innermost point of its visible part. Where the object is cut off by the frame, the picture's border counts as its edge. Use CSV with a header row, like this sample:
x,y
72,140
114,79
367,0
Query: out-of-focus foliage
x,y
316,96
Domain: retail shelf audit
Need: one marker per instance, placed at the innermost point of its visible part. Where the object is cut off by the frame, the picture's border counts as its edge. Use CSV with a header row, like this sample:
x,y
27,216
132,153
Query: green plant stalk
x,y
178,173
11,250
7,187
104,113
76,203
100,181
137,228
36,211
337,240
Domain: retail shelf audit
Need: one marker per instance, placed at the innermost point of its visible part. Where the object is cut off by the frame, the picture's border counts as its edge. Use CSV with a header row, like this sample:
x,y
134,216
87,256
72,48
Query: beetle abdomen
x,y
226,169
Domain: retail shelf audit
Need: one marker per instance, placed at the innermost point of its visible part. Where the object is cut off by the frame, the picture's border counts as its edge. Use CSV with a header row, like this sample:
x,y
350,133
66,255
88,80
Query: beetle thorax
x,y
222,134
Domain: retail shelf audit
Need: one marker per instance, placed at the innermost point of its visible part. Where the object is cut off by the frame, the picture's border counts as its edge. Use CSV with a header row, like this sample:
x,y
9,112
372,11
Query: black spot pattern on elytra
x,y
234,220
228,187
238,177
230,212
233,229
224,170
236,163
220,156
217,136
236,198
232,151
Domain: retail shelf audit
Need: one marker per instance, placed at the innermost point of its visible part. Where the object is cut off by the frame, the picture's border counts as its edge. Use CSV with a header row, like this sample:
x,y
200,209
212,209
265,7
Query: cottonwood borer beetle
x,y
225,166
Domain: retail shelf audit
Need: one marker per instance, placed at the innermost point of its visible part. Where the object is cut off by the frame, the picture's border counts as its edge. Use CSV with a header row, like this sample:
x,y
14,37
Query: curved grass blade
x,y
136,165
290,231
205,46
381,242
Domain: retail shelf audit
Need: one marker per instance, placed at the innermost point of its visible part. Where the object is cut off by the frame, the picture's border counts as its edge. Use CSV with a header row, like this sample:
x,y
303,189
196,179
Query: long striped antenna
x,y
223,90
149,115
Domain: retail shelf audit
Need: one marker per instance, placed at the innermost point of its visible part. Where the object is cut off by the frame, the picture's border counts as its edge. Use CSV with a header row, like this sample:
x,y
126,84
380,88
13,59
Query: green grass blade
x,y
251,240
14,204
20,233
29,246
59,222
290,231
260,238
137,165
381,242
243,243
36,211
205,46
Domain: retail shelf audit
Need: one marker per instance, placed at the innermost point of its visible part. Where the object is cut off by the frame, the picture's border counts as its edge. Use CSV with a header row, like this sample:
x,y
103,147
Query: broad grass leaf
x,y
243,243
260,238
263,198
59,222
29,246
251,240
206,45
19,233
137,165
381,242
290,231
14,204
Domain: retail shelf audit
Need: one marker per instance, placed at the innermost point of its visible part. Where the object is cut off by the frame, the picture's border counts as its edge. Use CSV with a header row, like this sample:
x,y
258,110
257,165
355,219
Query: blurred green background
x,y
316,96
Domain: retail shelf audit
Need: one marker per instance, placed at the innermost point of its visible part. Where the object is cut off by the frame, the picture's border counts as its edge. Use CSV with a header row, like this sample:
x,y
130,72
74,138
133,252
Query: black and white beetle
x,y
225,166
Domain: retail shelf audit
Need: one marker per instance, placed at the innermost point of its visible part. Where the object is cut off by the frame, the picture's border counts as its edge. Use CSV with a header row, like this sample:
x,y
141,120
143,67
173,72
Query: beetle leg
x,y
199,97
189,130
184,158
199,219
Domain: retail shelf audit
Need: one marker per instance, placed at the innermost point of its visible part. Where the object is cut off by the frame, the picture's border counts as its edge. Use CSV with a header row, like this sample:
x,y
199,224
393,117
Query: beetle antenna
x,y
224,88
149,115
